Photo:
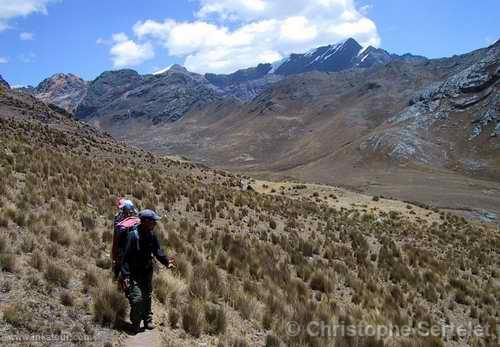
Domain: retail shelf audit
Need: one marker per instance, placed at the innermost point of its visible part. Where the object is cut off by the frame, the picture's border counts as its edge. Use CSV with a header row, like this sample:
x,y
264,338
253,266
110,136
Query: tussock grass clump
x,y
173,318
272,341
192,318
239,342
167,285
88,222
321,282
109,304
67,298
60,235
18,315
90,278
104,263
57,275
3,243
37,261
8,262
215,317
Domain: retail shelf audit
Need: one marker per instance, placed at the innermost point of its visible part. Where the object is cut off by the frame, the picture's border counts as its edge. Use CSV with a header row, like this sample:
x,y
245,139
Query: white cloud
x,y
27,57
25,36
126,52
3,60
10,9
101,41
232,34
298,29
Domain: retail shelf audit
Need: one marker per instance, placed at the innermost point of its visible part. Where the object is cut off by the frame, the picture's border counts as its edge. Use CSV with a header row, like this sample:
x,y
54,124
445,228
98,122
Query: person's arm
x,y
158,252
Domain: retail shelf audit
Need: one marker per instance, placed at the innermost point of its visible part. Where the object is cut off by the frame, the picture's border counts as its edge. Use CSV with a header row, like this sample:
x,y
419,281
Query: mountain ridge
x,y
69,91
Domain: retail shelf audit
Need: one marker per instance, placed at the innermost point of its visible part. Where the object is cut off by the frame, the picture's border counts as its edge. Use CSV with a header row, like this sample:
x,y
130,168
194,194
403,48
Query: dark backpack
x,y
120,237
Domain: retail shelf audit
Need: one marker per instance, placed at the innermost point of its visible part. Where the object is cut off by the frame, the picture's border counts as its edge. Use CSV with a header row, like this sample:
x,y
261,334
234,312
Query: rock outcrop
x,y
4,83
444,124
63,90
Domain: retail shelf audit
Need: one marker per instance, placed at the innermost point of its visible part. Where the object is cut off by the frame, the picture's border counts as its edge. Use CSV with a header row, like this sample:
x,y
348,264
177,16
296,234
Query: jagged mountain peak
x,y
59,80
178,68
335,57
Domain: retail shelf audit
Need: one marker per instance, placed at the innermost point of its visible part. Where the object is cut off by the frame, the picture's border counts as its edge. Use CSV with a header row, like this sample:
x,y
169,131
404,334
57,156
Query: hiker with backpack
x,y
136,269
124,221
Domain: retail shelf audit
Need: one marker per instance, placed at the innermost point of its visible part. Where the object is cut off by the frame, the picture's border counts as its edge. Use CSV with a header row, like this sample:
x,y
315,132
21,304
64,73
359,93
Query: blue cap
x,y
149,215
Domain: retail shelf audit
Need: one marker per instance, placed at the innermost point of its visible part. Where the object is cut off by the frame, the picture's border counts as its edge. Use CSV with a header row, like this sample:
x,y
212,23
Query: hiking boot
x,y
149,325
135,328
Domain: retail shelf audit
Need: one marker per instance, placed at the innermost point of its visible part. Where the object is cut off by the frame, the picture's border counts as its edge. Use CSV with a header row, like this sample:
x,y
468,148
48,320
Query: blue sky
x,y
42,37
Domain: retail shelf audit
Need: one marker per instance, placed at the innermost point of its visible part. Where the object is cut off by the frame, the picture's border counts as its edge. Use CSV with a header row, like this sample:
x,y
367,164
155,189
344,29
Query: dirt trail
x,y
146,338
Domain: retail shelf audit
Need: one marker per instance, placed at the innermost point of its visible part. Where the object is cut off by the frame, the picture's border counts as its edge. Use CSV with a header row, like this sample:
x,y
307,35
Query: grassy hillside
x,y
248,262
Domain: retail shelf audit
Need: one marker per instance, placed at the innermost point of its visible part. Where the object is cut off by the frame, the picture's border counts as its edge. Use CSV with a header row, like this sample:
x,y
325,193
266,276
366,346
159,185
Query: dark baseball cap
x,y
149,215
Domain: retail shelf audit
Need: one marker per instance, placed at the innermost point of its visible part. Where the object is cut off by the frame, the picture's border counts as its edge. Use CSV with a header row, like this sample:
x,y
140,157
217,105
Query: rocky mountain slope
x,y
249,260
4,82
124,94
64,90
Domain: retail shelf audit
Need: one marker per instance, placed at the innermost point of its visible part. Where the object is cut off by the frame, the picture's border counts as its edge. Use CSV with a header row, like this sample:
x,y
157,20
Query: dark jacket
x,y
138,257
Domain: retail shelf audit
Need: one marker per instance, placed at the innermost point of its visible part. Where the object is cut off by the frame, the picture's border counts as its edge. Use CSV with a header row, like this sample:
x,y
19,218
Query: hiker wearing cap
x,y
137,268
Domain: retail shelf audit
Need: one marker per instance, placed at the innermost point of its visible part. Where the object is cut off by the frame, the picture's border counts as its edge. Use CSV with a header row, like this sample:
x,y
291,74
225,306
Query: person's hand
x,y
171,263
126,284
